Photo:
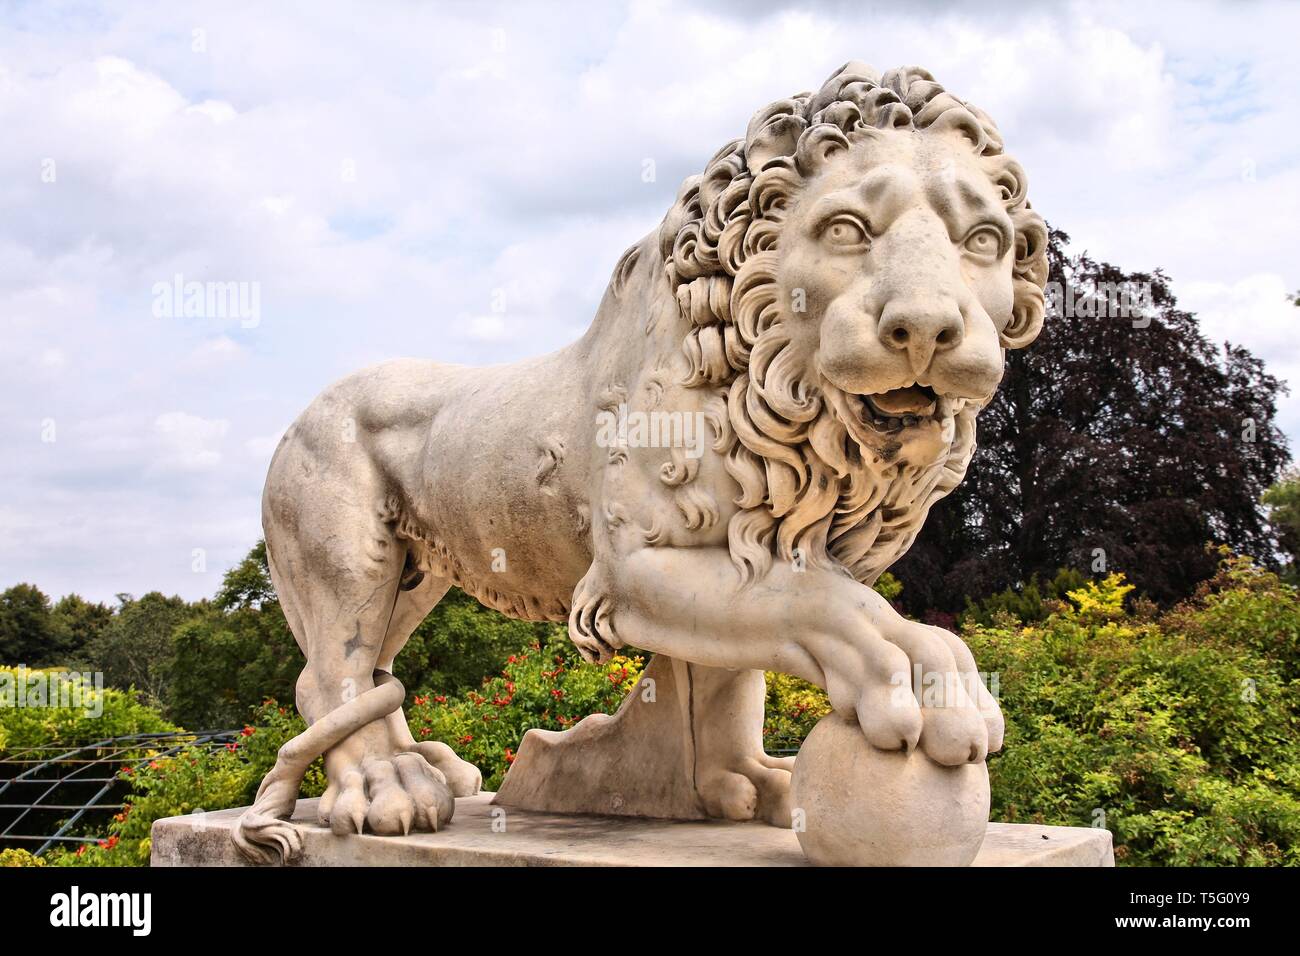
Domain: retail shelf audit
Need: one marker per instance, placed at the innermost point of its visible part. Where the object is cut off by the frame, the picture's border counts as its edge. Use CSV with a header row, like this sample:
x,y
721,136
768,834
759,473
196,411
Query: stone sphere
x,y
867,807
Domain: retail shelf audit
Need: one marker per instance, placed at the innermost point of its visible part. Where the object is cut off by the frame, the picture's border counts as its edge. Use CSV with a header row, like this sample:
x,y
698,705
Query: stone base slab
x,y
475,837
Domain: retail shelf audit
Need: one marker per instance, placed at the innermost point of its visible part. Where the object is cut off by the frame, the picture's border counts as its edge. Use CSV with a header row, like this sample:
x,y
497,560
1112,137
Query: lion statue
x,y
829,301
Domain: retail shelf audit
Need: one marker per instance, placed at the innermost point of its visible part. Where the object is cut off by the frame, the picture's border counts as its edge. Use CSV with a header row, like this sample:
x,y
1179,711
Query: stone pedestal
x,y
482,834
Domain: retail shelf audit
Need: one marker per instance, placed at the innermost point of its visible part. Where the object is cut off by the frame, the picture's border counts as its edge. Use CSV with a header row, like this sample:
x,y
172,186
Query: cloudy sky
x,y
456,182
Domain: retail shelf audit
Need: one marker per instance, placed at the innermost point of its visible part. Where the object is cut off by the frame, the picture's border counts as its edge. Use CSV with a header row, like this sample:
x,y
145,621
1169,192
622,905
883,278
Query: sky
x,y
457,181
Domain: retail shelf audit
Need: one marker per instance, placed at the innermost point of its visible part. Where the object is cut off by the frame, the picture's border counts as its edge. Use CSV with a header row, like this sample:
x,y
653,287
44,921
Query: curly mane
x,y
807,492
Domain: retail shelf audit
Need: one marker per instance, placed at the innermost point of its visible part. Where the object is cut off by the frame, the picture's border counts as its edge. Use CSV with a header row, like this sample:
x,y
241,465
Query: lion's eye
x,y
984,242
845,232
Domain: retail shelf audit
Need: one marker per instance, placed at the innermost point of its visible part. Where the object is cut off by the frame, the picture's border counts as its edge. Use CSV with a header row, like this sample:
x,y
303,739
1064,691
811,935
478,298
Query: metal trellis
x,y
62,776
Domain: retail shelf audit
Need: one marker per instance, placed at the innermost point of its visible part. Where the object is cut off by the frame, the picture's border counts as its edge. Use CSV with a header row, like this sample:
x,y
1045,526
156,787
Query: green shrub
x,y
1030,603
544,684
793,708
51,727
1179,734
14,857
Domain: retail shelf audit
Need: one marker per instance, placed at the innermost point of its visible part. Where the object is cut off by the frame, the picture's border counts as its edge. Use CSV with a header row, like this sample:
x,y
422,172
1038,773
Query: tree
x,y
1121,440
75,623
25,626
461,643
135,649
234,653
1283,503
247,584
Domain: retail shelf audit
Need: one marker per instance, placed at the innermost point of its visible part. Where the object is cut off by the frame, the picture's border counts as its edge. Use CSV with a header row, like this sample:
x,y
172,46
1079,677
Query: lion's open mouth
x,y
899,408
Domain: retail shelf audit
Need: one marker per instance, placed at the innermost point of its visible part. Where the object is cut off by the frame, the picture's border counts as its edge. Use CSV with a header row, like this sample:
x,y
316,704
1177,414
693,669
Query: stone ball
x,y
855,805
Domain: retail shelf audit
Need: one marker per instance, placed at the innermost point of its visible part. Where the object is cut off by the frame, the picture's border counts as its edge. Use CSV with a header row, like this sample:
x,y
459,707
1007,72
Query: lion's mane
x,y
807,492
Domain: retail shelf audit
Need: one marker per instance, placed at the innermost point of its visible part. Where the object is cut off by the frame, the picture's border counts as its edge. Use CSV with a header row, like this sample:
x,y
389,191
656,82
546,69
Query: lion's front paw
x,y
591,621
910,687
976,687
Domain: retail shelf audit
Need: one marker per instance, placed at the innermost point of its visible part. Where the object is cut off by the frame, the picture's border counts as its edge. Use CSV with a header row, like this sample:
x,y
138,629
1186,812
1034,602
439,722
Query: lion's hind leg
x,y
419,595
264,833
339,567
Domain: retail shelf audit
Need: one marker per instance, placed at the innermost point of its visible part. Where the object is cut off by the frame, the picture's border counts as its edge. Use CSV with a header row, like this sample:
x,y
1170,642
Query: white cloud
x,y
217,351
188,442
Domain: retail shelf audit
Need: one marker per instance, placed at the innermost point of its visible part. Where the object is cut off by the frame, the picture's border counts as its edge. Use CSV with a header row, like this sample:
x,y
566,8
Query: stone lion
x,y
829,301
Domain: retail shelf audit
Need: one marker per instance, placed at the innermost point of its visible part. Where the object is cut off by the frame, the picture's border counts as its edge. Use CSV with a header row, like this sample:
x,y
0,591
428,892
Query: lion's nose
x,y
921,329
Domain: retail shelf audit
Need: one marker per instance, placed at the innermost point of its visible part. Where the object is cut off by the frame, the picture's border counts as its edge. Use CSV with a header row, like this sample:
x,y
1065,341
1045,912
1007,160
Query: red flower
x,y
153,764
425,731
510,755
421,701
466,739
512,659
557,693
108,844
232,747
440,699
248,731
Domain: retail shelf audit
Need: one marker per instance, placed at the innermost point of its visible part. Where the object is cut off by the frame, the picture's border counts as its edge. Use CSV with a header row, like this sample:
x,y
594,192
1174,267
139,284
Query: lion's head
x,y
851,271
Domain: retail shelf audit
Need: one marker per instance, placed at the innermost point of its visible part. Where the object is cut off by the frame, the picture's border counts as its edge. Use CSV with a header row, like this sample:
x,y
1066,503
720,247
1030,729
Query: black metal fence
x,y
60,793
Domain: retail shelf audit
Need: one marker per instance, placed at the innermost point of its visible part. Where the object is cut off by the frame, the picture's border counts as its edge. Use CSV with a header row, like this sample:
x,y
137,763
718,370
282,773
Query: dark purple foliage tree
x,y
1121,434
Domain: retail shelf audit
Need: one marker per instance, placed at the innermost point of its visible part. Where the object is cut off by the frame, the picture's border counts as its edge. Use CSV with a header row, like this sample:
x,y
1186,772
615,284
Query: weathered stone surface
x,y
778,384
533,838
860,806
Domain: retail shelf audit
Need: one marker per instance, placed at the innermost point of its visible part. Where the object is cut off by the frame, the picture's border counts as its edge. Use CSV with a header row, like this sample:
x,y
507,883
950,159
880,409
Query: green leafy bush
x,y
545,684
793,708
15,857
101,714
1032,602
1177,734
